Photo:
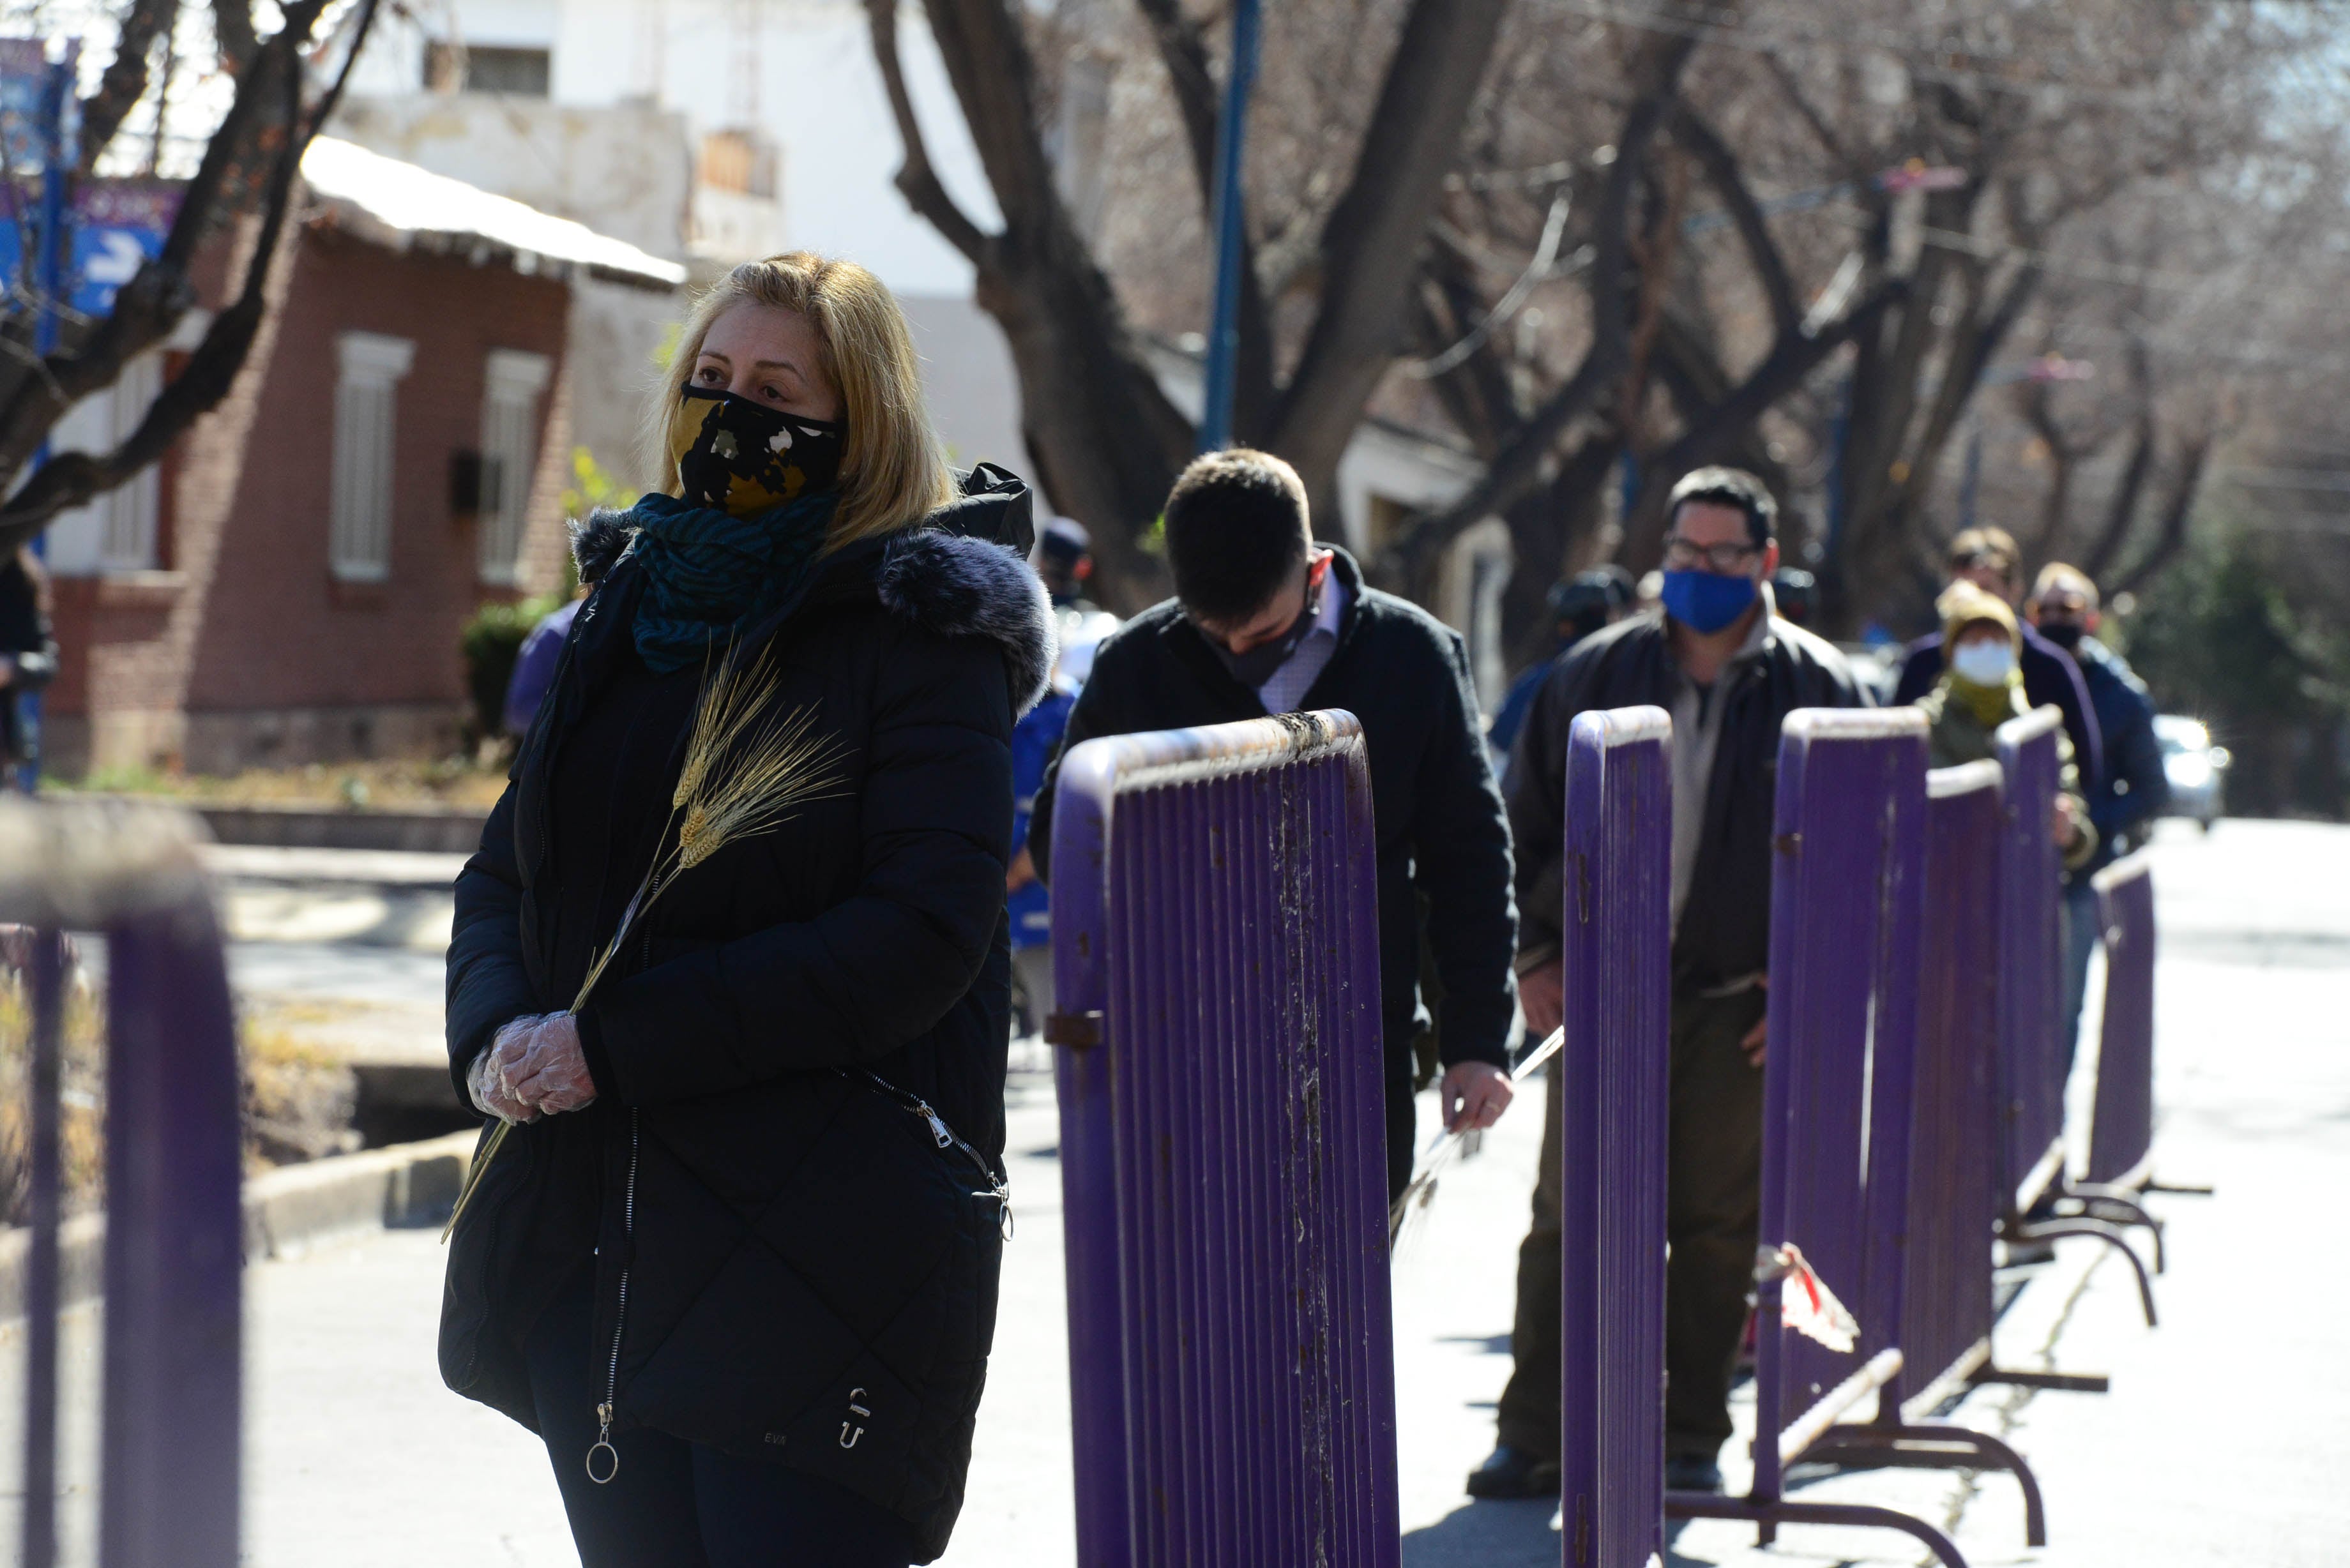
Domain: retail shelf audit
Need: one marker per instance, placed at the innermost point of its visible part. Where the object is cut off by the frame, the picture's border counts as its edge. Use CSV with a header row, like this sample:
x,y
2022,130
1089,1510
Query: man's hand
x,y
1473,1095
2067,824
545,1068
1021,872
1542,994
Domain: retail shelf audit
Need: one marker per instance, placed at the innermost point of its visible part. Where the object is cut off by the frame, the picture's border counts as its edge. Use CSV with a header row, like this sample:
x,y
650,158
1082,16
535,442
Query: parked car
x,y
2196,768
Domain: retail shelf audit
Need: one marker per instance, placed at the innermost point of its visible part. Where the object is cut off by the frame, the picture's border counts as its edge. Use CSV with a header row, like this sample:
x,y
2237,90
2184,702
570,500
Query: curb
x,y
445,830
285,1211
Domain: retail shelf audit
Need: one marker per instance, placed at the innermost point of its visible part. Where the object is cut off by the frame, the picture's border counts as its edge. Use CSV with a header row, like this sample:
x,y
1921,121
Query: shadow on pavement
x,y
1486,1536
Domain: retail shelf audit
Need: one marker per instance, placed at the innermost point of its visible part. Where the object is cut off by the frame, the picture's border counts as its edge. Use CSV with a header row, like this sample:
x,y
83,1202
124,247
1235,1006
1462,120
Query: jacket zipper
x,y
945,1136
619,1323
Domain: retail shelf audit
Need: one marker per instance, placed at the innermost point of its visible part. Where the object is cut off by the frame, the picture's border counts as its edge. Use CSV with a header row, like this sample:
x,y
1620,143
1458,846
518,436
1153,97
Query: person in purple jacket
x,y
533,670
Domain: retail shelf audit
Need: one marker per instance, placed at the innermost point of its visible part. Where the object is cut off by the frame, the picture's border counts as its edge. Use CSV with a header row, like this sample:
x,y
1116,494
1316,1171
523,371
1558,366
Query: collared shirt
x,y
1697,729
1297,675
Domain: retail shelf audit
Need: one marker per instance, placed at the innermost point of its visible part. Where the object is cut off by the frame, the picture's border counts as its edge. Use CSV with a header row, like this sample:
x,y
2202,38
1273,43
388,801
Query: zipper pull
x,y
938,1127
603,1443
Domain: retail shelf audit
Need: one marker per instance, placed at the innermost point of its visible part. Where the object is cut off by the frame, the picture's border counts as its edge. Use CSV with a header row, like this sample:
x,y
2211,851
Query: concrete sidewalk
x,y
2220,1444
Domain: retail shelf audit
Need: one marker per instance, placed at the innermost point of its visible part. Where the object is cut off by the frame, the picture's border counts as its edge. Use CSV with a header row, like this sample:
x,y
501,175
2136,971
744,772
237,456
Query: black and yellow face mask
x,y
736,456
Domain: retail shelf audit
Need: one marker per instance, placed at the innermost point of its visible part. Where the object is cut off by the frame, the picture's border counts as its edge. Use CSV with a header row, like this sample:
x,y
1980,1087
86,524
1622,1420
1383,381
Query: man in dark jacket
x,y
2130,793
1265,621
1988,557
1729,671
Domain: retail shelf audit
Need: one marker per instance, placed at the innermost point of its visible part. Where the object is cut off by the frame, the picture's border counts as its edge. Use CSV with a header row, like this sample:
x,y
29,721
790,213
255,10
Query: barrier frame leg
x,y
1768,1514
2117,1206
2110,1234
1903,1444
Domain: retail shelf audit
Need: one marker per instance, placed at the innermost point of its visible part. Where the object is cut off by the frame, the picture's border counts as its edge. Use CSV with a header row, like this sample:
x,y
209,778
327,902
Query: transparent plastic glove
x,y
546,1067
486,1079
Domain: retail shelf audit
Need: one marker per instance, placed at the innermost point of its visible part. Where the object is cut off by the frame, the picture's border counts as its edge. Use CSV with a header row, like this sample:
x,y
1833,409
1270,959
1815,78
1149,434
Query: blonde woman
x,y
736,1262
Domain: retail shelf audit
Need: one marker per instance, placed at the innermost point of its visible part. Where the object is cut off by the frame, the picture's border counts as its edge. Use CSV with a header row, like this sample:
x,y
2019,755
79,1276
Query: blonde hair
x,y
2066,579
894,472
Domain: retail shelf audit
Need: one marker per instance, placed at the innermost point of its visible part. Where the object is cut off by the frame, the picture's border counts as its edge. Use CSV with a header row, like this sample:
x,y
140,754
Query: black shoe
x,y
1691,1473
1509,1472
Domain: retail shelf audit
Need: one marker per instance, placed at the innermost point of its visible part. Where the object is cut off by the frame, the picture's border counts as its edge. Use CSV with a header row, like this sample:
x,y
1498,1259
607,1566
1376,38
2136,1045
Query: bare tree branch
x,y
72,478
916,177
1721,171
125,81
232,28
1517,467
2170,535
1371,243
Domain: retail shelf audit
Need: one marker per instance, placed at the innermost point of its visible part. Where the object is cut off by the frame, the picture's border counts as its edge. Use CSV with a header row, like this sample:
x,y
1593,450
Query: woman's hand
x,y
486,1079
547,1068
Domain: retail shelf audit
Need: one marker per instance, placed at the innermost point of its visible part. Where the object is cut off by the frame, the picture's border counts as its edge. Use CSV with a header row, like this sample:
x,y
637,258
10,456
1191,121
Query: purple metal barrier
x,y
1615,1059
1222,1153
2032,949
2037,1202
174,1236
1845,910
1935,1308
2121,1135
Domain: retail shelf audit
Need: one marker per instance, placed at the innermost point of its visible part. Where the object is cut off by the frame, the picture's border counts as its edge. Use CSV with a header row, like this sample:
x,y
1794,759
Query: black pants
x,y
1713,1196
675,1504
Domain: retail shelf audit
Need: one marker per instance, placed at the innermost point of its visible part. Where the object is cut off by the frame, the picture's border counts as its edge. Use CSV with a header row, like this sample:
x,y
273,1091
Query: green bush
x,y
491,643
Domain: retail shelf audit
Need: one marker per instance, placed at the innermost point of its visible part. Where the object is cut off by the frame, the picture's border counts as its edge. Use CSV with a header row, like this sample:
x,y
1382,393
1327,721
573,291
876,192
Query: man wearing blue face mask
x,y
1729,670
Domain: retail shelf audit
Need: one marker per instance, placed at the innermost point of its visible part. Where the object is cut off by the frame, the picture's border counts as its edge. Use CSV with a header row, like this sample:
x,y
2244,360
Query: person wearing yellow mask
x,y
1982,688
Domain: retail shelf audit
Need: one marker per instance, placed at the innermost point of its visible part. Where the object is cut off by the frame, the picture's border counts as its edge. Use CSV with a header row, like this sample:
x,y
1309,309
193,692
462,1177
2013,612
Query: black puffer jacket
x,y
809,1271
1725,929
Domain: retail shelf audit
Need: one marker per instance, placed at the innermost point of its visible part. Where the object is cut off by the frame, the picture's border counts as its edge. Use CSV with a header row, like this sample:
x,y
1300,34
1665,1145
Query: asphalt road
x,y
2215,1445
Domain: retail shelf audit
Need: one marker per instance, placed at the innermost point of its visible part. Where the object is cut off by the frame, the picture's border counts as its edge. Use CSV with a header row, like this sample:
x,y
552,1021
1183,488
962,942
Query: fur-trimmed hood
x,y
953,584
958,586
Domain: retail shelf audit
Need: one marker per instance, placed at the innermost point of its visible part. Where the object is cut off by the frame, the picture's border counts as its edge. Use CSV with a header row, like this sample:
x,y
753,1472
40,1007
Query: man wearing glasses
x,y
1729,670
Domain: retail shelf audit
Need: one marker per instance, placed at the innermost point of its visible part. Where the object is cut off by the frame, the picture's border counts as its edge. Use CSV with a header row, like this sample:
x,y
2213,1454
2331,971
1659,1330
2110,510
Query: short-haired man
x,y
1988,557
1717,659
2125,798
1264,620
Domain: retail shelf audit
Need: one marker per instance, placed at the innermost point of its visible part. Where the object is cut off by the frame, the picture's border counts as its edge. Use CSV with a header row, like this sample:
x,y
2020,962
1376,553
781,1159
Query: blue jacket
x,y
2133,789
1036,740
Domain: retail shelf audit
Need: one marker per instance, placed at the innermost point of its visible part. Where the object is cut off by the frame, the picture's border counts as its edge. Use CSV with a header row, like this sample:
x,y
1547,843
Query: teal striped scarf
x,y
712,576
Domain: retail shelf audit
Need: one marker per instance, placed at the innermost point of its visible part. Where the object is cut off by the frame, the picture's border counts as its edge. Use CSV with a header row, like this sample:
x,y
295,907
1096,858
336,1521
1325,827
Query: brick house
x,y
289,585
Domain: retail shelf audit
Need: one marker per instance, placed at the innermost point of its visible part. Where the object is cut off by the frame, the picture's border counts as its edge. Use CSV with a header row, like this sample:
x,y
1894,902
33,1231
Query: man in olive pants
x,y
1729,671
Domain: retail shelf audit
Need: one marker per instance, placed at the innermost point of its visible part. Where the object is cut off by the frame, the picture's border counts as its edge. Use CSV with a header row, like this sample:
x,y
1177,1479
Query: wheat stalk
x,y
742,776
1451,1146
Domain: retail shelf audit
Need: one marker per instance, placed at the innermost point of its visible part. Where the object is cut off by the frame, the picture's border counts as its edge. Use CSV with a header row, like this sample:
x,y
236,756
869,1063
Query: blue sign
x,y
116,226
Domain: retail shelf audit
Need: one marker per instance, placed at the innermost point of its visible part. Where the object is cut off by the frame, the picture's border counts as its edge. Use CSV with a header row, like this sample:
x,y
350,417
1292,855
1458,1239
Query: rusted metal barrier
x,y
1837,1088
2038,1202
1935,1308
1222,1127
172,1359
1615,1059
